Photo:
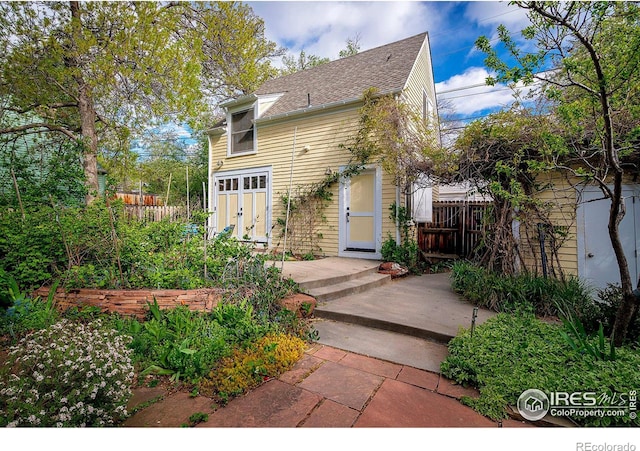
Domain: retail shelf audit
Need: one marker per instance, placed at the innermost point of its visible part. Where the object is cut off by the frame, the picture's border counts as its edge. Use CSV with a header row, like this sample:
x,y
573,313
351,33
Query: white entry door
x,y
596,260
360,222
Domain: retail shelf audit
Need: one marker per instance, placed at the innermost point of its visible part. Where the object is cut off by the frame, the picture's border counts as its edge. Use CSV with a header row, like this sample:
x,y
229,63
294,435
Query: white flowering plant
x,y
67,375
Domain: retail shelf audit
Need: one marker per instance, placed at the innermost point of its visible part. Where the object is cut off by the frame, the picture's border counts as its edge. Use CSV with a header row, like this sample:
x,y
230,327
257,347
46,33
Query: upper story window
x,y
242,132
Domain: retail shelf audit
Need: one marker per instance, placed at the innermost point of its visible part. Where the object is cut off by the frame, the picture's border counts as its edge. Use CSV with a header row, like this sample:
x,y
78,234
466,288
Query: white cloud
x,y
468,93
322,28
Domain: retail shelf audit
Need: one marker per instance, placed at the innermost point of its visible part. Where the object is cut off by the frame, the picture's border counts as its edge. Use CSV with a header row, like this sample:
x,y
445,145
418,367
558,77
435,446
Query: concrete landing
x,y
418,306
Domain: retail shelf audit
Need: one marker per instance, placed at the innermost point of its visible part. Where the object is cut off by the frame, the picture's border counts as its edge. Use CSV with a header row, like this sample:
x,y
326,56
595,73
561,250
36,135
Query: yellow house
x,y
289,134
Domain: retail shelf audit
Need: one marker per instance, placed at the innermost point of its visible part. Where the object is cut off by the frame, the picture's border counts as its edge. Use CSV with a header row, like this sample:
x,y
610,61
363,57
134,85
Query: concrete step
x,y
325,280
384,324
329,290
381,344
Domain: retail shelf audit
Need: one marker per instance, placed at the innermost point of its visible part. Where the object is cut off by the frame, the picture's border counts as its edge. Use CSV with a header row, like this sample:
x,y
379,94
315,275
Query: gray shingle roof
x,y
386,68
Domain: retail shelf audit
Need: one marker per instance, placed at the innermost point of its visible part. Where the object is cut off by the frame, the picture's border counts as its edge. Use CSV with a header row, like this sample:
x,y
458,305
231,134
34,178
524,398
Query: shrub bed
x,y
511,353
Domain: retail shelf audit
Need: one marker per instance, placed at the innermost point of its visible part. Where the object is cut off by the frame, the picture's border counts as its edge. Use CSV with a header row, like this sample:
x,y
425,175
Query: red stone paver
x,y
301,369
331,414
329,353
342,384
142,395
273,404
449,388
371,365
419,378
397,405
173,411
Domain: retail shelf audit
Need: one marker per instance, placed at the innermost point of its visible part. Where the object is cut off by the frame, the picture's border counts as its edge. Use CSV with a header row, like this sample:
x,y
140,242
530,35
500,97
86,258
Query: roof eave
x,y
249,98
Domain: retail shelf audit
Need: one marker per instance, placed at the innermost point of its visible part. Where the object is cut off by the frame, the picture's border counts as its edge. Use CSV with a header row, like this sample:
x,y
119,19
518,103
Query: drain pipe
x,y
286,221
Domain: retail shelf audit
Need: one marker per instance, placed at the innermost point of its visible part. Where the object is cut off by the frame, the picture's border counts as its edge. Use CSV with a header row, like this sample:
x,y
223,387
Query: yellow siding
x,y
560,197
323,134
420,79
559,200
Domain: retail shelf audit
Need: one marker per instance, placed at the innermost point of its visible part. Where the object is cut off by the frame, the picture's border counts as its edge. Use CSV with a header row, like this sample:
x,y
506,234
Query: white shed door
x,y
596,261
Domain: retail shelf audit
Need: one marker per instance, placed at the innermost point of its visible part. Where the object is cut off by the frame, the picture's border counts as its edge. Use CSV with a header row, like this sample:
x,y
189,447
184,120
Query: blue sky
x,y
323,27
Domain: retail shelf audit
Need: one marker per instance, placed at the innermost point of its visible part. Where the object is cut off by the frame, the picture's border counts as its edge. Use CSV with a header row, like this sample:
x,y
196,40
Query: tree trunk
x,y
86,110
629,305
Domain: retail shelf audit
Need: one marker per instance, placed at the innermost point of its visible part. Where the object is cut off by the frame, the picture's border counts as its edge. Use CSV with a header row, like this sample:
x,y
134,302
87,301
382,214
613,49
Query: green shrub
x,y
610,299
27,314
69,374
509,293
177,342
511,353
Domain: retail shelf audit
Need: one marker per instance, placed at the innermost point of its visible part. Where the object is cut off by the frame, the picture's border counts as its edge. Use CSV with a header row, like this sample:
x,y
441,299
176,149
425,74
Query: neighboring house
x,y
295,126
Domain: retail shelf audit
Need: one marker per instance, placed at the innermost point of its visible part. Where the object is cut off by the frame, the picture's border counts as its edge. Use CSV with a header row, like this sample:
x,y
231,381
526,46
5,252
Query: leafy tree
x,y
353,47
168,160
593,47
303,61
94,72
502,155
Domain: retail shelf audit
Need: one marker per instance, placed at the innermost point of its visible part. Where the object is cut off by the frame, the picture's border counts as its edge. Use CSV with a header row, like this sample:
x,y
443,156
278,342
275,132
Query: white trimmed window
x,y
242,132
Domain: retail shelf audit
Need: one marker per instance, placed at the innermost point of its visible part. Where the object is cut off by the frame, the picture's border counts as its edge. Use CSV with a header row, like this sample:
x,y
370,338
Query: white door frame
x,y
239,231
342,217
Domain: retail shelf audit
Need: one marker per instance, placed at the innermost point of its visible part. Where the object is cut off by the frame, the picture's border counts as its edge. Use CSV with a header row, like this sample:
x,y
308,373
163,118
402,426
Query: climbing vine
x,y
389,134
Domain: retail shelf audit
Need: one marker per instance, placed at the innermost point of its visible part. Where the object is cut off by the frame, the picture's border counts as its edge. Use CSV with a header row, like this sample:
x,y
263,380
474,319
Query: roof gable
x,y
386,68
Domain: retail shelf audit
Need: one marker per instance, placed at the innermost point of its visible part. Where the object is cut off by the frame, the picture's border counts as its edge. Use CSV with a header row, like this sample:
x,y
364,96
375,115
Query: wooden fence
x,y
148,213
455,230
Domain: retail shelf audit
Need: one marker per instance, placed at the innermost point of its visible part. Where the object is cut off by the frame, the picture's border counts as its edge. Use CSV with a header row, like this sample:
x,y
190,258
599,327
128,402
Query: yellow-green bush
x,y
247,368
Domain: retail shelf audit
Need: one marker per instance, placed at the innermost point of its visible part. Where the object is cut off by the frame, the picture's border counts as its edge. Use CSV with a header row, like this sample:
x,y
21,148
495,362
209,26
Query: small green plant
x,y
508,293
306,308
408,252
28,314
67,375
197,418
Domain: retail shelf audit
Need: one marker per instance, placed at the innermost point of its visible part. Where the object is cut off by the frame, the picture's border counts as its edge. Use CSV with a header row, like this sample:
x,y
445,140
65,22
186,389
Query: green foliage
x,y
95,51
179,342
511,353
303,61
45,170
67,375
507,293
408,252
27,314
395,136
197,418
